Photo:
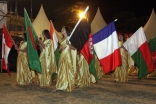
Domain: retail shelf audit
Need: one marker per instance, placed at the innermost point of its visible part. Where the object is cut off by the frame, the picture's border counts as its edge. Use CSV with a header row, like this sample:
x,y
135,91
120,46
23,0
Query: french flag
x,y
106,46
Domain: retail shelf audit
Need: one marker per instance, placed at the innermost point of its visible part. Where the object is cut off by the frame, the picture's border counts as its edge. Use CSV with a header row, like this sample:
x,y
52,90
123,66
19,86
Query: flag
x,y
90,54
106,46
7,43
53,35
152,46
138,48
82,41
92,68
55,44
32,38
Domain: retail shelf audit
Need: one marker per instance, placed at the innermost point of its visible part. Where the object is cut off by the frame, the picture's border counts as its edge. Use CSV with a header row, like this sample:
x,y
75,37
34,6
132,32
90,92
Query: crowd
x,y
69,75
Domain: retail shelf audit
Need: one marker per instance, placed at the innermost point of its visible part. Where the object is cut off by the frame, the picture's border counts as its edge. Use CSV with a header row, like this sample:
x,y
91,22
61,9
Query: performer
x,y
74,62
84,77
84,38
121,72
23,71
47,59
66,77
98,67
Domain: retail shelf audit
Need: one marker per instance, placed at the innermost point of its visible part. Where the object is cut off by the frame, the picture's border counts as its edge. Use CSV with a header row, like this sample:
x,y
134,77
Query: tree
x,y
128,22
67,14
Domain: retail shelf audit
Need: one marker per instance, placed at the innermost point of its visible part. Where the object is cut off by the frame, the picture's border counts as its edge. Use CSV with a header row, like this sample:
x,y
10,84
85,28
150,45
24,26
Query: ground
x,y
105,91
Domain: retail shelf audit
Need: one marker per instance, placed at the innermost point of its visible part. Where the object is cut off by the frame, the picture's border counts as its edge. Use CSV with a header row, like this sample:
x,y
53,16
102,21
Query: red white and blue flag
x,y
106,46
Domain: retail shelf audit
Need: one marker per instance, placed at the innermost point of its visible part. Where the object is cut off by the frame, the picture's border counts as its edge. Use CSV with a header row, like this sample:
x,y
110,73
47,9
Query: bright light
x,y
81,15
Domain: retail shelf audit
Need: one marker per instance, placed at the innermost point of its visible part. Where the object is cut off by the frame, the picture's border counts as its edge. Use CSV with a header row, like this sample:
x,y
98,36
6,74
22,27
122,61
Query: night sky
x,y
107,7
139,7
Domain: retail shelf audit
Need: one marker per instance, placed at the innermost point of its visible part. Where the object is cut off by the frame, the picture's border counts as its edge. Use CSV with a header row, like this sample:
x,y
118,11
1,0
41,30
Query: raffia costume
x,y
48,64
66,77
23,71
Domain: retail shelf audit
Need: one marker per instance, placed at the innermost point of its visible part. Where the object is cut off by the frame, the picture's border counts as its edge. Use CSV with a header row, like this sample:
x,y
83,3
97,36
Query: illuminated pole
x,y
78,22
88,17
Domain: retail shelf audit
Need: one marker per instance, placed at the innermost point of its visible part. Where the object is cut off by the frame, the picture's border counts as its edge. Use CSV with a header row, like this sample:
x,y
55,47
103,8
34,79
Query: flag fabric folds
x,y
53,35
32,38
82,40
55,42
87,49
92,68
106,46
7,44
138,48
152,46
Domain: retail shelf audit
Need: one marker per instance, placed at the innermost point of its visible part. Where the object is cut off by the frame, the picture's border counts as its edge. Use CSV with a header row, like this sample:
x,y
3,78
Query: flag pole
x,y
78,22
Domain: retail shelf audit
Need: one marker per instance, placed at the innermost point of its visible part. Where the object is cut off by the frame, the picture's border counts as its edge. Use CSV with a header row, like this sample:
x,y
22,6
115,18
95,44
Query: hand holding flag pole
x,y
78,22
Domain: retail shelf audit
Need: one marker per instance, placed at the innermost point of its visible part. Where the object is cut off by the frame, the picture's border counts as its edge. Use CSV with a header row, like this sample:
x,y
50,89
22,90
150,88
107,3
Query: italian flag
x,y
32,38
138,48
7,43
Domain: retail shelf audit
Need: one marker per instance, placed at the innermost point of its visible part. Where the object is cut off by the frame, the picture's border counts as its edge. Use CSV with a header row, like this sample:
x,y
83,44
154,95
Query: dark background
x,y
58,10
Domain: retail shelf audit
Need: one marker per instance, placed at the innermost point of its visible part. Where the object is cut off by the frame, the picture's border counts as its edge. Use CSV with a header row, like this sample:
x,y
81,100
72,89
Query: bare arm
x,y
123,48
41,44
18,49
72,47
62,48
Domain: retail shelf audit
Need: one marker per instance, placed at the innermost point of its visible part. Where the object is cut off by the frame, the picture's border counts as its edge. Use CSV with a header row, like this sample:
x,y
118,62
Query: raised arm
x,y
41,44
18,49
72,47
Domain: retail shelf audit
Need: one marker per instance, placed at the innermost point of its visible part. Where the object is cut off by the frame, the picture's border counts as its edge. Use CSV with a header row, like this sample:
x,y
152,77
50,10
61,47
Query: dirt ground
x,y
106,91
